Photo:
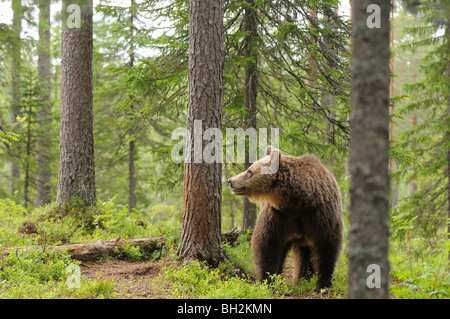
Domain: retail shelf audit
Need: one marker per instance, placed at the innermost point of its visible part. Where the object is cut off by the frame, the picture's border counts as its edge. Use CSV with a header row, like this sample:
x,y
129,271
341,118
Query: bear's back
x,y
309,181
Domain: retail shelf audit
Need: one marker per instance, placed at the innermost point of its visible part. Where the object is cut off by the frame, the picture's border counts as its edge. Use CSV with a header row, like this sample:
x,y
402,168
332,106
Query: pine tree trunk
x,y
311,81
76,160
250,96
131,145
201,220
15,85
392,166
447,32
369,155
131,179
328,99
412,184
26,181
44,111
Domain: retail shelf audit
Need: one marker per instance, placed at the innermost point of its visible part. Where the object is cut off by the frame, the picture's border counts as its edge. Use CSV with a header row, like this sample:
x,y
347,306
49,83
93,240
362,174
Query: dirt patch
x,y
132,279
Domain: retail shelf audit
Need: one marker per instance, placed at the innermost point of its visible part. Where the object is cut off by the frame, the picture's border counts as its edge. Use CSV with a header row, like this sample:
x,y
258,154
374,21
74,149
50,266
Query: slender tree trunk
x,y
76,159
26,181
328,100
250,97
44,114
201,220
394,184
412,184
131,145
15,84
368,274
311,81
131,177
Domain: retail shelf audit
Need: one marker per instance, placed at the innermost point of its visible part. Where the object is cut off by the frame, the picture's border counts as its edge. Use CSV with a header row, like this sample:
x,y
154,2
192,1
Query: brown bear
x,y
300,210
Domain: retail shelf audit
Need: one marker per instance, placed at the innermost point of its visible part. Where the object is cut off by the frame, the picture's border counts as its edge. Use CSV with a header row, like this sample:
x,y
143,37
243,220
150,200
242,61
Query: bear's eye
x,y
249,173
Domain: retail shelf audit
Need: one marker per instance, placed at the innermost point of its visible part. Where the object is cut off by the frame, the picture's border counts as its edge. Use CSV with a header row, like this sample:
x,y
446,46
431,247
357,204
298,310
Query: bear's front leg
x,y
268,244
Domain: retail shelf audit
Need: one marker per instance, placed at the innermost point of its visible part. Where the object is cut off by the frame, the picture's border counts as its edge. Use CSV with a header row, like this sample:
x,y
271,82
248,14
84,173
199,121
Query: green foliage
x,y
43,274
6,140
163,212
196,280
240,254
130,252
422,150
11,217
420,270
418,265
146,101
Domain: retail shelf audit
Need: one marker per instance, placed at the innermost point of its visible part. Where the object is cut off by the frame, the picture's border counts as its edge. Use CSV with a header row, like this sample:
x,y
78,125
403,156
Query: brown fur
x,y
300,210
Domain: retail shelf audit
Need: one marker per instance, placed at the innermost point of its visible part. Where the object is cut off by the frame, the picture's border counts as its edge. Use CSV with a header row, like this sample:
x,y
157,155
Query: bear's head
x,y
256,182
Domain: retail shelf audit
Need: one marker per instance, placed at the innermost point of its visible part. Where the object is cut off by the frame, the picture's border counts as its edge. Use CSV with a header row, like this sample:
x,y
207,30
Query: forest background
x,y
301,51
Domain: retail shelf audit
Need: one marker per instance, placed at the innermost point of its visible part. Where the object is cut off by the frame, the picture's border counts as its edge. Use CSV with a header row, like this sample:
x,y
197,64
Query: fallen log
x,y
91,251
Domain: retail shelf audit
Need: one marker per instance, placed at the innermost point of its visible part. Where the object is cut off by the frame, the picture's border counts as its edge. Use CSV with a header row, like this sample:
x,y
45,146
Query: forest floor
x,y
135,280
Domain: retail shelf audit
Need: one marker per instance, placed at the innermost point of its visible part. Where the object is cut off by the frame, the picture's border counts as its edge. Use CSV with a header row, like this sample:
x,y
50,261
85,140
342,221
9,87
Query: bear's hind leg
x,y
324,262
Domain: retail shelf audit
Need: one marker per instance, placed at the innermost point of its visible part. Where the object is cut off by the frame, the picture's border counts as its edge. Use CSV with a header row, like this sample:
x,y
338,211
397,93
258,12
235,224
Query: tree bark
x,y
15,84
26,181
392,165
328,99
448,138
312,64
369,154
131,177
201,220
131,145
44,108
76,159
92,251
250,97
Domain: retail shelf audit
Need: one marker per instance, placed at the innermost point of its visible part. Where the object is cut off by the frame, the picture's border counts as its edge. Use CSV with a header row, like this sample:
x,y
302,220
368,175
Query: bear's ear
x,y
274,162
273,152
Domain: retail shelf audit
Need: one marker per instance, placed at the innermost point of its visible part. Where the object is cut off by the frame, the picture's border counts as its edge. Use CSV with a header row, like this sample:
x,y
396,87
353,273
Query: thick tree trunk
x,y
250,96
201,221
44,111
76,159
368,274
92,251
448,138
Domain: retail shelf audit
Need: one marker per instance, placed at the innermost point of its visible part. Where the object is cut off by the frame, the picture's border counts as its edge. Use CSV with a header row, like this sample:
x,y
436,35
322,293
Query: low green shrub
x,y
194,279
40,273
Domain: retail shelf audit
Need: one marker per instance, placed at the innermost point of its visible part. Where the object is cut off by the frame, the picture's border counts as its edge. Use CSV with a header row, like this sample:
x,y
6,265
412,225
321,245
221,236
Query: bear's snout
x,y
235,185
